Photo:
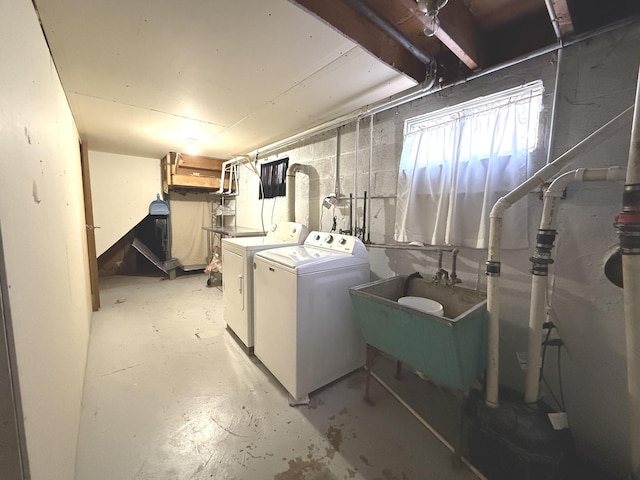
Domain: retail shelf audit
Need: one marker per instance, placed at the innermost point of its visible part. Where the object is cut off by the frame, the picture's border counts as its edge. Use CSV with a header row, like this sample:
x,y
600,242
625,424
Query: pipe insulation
x,y
628,224
542,259
495,235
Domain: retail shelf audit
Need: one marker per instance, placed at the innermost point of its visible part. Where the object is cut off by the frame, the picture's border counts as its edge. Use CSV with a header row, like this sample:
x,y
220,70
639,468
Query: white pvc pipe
x,y
336,189
495,235
633,167
537,315
222,175
537,309
556,189
631,280
371,190
355,180
493,311
233,175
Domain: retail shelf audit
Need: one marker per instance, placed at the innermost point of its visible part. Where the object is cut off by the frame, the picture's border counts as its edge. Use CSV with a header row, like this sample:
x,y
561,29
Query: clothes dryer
x,y
237,271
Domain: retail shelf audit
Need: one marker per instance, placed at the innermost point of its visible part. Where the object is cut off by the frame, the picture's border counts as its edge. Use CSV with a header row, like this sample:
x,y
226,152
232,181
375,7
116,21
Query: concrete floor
x,y
169,394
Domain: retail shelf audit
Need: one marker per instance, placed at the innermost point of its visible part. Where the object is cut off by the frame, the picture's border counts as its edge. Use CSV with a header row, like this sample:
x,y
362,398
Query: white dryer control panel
x,y
288,231
338,243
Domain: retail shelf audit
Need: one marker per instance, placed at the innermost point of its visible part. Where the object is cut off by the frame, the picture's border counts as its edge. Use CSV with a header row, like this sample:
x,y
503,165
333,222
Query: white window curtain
x,y
457,162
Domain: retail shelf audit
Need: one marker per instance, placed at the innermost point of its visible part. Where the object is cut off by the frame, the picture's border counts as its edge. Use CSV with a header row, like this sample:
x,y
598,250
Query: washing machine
x,y
304,332
237,270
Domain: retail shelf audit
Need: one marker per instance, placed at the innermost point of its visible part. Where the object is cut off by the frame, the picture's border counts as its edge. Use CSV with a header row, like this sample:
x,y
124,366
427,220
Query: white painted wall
x,y
598,79
122,187
42,216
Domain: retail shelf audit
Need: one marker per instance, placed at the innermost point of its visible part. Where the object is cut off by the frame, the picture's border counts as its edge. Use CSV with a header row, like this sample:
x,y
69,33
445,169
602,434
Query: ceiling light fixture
x,y
192,146
431,8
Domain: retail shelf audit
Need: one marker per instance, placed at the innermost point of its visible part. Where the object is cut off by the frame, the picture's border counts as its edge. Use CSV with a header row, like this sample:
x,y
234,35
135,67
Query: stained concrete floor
x,y
169,394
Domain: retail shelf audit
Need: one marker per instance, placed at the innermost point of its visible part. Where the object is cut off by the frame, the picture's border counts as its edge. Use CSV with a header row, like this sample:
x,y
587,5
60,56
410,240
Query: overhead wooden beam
x,y
342,16
459,31
565,23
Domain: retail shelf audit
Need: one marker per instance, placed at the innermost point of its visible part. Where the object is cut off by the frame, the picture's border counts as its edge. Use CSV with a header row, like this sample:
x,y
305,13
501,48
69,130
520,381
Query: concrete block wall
x,y
597,81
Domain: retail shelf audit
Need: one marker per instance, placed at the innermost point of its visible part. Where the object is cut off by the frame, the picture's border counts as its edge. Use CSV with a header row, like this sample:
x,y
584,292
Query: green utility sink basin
x,y
450,350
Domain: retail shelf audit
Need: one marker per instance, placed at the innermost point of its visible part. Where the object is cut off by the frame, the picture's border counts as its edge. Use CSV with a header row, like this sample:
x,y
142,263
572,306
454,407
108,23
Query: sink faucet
x,y
442,276
454,259
437,278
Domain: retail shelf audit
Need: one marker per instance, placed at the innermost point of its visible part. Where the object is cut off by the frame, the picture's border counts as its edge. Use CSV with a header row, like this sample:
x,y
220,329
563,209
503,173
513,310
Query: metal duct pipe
x,y
554,107
542,259
495,236
374,17
291,190
628,224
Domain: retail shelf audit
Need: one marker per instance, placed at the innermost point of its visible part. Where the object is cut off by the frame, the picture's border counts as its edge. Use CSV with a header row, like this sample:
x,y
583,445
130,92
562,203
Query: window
x,y
458,161
273,178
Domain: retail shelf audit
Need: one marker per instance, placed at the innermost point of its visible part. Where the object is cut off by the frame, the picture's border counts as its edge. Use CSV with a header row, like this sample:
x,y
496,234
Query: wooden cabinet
x,y
189,171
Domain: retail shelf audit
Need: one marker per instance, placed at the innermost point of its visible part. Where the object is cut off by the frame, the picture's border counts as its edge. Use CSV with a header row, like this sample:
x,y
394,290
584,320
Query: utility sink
x,y
450,350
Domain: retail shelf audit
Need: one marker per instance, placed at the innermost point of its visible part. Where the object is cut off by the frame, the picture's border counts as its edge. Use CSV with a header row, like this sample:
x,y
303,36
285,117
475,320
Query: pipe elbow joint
x,y
499,208
295,168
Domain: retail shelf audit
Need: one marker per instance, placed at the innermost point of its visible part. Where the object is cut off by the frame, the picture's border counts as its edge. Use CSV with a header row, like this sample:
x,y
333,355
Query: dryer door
x,y
234,285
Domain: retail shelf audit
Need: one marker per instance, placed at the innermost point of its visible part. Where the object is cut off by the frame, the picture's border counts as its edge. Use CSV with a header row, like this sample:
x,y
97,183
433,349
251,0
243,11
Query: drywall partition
x,y
42,216
597,82
122,187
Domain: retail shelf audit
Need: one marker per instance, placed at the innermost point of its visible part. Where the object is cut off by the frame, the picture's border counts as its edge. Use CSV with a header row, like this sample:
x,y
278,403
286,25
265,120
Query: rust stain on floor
x,y
388,475
334,435
300,469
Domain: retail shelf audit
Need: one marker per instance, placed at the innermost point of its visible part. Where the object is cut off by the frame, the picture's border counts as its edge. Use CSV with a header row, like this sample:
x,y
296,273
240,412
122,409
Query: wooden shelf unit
x,y
190,171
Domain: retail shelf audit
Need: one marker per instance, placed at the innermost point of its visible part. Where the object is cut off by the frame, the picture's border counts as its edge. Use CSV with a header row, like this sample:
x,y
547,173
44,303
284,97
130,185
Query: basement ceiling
x,y
227,77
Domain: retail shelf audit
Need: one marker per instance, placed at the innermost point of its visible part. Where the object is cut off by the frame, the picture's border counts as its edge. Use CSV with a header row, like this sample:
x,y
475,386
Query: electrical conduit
x,y
628,224
495,235
542,259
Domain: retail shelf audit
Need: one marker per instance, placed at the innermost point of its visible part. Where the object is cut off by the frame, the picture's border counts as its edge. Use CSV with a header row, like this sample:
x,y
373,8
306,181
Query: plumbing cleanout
x,y
613,266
